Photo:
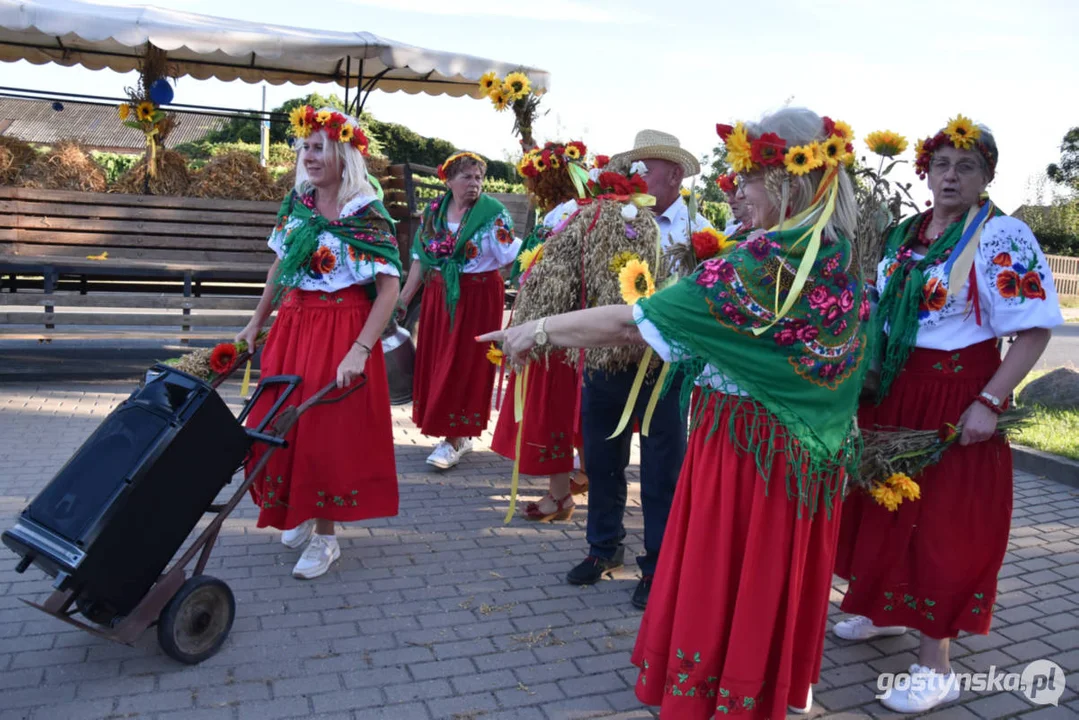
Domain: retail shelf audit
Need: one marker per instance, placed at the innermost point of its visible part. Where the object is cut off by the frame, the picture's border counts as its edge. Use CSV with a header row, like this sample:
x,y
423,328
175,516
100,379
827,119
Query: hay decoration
x,y
66,166
15,156
234,175
377,165
200,362
172,176
553,285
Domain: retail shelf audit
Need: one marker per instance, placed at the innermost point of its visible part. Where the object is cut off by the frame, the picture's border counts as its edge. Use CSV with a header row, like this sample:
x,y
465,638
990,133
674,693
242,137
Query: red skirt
x,y
739,606
339,464
548,437
932,565
453,380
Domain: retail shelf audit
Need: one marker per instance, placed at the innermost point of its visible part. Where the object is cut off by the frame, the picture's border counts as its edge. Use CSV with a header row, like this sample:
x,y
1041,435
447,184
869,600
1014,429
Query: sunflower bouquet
x,y
880,204
893,457
516,93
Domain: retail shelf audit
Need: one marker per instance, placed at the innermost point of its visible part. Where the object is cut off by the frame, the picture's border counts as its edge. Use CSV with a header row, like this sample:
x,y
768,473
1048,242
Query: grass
x,y
1052,431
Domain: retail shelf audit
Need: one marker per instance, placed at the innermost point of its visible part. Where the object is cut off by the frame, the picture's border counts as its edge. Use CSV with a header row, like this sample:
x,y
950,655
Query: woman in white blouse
x,y
464,238
337,277
954,280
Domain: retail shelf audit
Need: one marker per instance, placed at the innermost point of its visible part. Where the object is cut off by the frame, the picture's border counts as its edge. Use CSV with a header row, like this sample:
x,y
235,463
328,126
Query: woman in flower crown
x,y
337,277
739,603
465,237
550,429
954,280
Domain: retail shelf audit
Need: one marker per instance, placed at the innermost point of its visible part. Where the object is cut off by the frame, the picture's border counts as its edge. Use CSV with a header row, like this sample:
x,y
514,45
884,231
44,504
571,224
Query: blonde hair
x,y
354,182
799,126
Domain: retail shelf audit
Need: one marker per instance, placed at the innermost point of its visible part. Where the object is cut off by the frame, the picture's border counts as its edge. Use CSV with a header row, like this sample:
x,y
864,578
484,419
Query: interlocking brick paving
x,y
446,612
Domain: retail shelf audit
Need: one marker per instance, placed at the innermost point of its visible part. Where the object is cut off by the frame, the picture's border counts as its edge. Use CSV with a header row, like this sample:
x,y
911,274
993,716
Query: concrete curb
x,y
1054,467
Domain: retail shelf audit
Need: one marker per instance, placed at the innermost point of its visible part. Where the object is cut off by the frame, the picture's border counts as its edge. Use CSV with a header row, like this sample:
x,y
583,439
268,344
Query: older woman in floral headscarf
x,y
739,603
464,238
337,277
953,280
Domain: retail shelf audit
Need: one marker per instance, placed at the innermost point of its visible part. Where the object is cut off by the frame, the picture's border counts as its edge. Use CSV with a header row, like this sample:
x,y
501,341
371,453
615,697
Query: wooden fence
x,y
1065,274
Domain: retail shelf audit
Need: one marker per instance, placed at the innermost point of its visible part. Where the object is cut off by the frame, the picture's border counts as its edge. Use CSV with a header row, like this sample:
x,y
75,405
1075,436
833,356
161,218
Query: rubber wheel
x,y
195,623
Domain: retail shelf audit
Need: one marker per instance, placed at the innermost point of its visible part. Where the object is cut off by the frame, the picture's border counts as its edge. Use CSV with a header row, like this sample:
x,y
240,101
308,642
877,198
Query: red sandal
x,y
563,511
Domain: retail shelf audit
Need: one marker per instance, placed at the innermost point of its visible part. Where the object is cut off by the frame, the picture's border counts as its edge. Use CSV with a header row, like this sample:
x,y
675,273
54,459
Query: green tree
x,y
1066,172
714,166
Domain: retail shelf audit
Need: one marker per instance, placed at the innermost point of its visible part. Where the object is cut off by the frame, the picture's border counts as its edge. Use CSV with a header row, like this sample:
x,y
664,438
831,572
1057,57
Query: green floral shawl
x,y
446,251
805,371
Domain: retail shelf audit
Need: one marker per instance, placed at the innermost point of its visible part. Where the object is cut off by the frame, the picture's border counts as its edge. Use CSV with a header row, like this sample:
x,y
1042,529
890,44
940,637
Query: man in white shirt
x,y
605,395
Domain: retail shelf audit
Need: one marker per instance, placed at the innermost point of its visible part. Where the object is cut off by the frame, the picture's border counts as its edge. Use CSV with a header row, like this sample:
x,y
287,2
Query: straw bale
x,y
172,176
234,175
66,166
284,184
15,156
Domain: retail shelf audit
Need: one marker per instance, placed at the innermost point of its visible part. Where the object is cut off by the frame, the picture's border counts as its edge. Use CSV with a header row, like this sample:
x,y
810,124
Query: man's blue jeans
x,y
603,399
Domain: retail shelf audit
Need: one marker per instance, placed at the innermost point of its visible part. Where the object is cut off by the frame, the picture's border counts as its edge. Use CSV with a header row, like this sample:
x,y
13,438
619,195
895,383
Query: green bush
x,y
114,164
278,155
718,213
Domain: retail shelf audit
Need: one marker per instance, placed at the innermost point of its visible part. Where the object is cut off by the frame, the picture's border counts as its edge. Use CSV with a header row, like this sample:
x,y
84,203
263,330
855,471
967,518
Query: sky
x,y
618,67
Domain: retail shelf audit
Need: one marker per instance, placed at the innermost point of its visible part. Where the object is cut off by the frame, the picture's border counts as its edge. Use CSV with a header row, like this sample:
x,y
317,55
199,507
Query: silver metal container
x,y
400,355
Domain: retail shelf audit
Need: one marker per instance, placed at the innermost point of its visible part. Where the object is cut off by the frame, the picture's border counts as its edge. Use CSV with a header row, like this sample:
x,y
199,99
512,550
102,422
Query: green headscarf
x,y
446,251
805,371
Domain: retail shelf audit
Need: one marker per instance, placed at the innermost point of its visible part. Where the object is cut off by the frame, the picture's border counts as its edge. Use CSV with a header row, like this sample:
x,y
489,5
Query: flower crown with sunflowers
x,y
962,134
552,157
746,153
444,168
306,120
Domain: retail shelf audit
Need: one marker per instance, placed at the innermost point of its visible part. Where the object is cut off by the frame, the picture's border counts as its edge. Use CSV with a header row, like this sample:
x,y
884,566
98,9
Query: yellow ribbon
x,y
634,392
654,400
642,199
153,151
809,258
247,380
519,387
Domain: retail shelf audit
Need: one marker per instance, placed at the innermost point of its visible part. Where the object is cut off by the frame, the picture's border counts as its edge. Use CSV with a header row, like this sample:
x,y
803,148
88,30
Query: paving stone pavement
x,y
445,612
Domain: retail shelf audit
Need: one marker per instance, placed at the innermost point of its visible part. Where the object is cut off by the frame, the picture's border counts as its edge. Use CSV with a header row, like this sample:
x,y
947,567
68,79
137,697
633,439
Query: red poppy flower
x,y
705,245
934,296
504,236
323,261
726,183
829,126
602,160
333,132
1003,259
637,185
222,357
724,131
1031,285
768,149
1008,284
471,251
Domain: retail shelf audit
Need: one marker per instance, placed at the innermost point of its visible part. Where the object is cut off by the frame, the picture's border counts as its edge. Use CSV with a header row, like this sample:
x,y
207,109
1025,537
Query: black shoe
x,y
640,595
591,569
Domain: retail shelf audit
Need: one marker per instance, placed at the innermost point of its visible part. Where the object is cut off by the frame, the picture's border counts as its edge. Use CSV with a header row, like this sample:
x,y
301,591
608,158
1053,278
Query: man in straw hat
x,y
605,395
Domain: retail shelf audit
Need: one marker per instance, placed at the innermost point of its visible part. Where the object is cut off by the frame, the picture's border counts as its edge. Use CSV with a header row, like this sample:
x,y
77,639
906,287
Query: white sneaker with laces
x,y
316,560
927,689
859,627
446,456
808,706
464,447
298,535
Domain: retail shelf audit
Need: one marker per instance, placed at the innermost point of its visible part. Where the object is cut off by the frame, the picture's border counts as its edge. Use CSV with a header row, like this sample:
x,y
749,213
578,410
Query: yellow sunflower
x,y
346,133
298,118
886,143
918,147
901,483
489,82
834,151
886,496
843,130
962,132
494,355
539,163
620,260
530,257
323,116
518,84
500,99
573,152
684,192
739,153
124,111
636,281
145,111
802,159
555,162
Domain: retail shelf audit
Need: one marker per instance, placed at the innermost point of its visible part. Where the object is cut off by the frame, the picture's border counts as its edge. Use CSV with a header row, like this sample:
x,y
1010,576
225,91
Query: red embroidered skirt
x,y
932,565
339,464
548,436
738,611
453,380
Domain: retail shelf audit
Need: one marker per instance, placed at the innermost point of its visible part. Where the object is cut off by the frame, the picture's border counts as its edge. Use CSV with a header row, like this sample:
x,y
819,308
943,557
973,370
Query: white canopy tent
x,y
96,36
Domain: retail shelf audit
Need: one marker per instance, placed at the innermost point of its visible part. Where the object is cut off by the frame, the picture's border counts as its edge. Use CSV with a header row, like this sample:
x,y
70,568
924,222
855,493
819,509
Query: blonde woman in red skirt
x,y
337,277
464,239
953,280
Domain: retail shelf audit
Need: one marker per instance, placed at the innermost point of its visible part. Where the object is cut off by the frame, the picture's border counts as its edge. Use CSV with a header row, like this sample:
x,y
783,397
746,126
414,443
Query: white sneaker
x,y
808,706
446,456
316,560
298,535
859,627
926,690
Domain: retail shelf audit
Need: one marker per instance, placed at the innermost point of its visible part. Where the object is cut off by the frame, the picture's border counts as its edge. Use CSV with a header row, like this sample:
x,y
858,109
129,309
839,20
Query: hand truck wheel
x,y
197,619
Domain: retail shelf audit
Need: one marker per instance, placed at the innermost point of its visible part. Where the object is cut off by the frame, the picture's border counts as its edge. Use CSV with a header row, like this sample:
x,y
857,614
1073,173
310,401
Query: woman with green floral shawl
x,y
464,239
953,280
336,277
772,330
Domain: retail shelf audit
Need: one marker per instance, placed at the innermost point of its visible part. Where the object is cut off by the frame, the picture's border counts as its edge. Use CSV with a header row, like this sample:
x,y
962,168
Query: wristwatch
x,y
993,400
541,335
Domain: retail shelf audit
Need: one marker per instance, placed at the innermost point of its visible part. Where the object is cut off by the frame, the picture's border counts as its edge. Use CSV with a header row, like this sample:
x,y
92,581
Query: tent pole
x,y
348,73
